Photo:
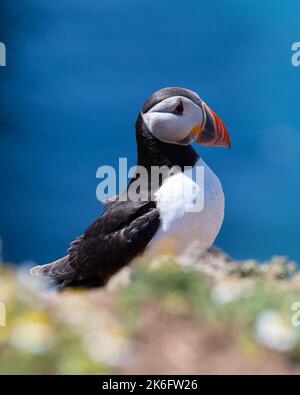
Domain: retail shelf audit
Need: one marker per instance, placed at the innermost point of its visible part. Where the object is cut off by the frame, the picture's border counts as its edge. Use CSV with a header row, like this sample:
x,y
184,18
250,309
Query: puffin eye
x,y
179,108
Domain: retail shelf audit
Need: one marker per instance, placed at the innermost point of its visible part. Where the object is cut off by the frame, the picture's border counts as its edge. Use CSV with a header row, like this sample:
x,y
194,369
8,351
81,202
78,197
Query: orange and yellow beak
x,y
213,131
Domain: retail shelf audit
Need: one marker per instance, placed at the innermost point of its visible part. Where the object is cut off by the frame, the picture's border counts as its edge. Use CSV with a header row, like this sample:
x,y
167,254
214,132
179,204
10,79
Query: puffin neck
x,y
153,152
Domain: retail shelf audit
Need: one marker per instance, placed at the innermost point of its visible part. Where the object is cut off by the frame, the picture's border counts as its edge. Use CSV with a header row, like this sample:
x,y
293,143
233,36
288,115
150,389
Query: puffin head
x,y
179,116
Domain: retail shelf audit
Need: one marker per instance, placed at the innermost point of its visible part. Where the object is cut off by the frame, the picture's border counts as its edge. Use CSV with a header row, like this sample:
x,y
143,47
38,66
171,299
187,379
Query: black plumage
x,y
123,231
126,227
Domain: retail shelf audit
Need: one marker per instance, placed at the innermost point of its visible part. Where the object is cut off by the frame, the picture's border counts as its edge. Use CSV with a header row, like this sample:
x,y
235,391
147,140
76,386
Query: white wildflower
x,y
273,331
105,346
230,290
32,337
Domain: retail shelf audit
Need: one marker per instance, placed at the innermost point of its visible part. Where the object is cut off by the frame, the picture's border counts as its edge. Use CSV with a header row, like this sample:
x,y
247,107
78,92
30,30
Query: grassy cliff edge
x,y
201,313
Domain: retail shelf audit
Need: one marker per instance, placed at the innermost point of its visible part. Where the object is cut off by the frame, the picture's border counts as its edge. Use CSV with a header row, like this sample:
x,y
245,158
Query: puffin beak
x,y
213,132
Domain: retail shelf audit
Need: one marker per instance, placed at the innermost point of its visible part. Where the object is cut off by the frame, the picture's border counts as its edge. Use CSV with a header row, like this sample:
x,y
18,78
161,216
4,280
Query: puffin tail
x,y
58,272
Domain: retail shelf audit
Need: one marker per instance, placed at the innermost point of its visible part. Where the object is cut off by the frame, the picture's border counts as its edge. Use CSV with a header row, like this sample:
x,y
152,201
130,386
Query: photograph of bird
x,y
169,122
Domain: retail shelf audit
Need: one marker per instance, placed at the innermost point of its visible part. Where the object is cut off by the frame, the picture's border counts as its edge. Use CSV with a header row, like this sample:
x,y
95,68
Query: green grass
x,y
90,332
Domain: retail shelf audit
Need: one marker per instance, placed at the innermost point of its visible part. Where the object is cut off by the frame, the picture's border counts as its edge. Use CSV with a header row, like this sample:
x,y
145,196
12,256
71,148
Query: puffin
x,y
166,213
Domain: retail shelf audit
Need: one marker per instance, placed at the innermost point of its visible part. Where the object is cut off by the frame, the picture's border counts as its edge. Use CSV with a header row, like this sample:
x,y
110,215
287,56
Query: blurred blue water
x,y
77,73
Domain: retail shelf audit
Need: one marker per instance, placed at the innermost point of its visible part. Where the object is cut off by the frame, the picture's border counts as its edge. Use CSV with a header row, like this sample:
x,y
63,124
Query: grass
x,y
97,332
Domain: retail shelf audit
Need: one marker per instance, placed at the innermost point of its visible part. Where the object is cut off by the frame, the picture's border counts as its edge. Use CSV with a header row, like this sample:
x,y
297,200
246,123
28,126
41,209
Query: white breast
x,y
191,209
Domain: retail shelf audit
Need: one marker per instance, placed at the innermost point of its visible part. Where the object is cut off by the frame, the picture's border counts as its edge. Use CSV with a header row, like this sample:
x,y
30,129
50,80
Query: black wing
x,y
118,236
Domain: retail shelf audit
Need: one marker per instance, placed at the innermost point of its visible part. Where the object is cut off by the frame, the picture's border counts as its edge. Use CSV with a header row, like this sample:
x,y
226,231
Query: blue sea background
x,y
77,74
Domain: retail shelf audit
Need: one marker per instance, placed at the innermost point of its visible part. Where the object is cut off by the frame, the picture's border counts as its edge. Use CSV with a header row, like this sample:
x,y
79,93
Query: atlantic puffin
x,y
170,120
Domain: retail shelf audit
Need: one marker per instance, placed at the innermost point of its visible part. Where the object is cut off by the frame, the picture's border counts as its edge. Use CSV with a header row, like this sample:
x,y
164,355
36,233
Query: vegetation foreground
x,y
202,313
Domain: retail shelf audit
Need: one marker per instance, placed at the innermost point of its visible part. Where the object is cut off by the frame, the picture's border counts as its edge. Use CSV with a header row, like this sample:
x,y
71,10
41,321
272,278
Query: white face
x,y
173,120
